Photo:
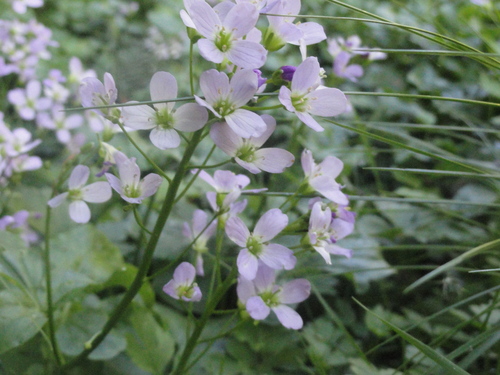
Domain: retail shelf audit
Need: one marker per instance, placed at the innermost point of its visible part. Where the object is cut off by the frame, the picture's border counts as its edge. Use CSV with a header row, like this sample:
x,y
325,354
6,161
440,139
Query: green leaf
x,y
441,360
20,318
124,277
84,322
149,345
82,257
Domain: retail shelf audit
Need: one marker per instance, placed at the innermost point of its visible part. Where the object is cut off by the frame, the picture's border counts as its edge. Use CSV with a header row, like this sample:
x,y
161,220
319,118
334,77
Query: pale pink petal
x,y
247,54
224,138
115,183
273,160
245,289
214,85
247,264
163,86
190,117
57,200
246,123
237,231
288,317
257,308
243,86
271,127
265,278
322,251
307,119
327,102
248,166
331,166
278,257
209,51
205,104
170,288
337,250
204,18
285,98
295,291
78,177
139,116
150,184
241,19
79,212
270,224
184,274
97,192
165,138
307,162
306,75
312,32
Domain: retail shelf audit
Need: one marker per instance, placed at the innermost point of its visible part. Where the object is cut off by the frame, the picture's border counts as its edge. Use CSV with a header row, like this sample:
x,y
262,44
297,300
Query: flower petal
x,y
214,85
164,138
57,200
288,317
246,123
204,18
278,257
139,116
190,117
209,51
78,177
237,231
273,160
306,75
184,274
226,139
163,86
247,264
247,54
327,102
295,291
243,87
97,192
270,128
79,212
270,224
241,19
150,184
257,308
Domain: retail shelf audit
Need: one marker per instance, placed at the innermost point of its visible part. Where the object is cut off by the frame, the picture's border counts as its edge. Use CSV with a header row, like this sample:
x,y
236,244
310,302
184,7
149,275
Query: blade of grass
x,y
441,360
492,245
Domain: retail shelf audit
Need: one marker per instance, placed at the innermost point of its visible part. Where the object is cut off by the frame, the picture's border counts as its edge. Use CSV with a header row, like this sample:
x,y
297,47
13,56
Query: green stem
x,y
136,285
48,286
210,307
139,222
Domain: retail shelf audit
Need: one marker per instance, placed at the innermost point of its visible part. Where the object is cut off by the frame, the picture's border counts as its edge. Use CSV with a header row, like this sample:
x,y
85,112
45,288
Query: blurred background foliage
x,y
408,222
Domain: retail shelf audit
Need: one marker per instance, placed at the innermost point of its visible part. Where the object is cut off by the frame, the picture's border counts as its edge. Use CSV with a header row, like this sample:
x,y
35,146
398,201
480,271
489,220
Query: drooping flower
x,y
306,98
182,286
261,295
256,244
223,35
325,230
93,93
129,185
78,194
163,119
247,152
224,98
199,229
321,177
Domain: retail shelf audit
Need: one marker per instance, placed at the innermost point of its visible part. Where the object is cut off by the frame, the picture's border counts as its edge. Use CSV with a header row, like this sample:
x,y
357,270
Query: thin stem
x,y
210,307
48,286
153,164
139,221
136,285
210,166
191,74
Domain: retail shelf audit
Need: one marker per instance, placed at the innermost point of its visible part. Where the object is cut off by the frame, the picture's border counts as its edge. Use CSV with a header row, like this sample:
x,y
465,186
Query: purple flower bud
x,y
288,72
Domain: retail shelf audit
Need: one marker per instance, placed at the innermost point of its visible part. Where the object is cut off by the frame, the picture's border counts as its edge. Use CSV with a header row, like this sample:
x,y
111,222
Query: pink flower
x,y
321,177
261,295
197,230
163,119
256,244
223,35
246,151
78,194
129,185
306,98
224,98
182,286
